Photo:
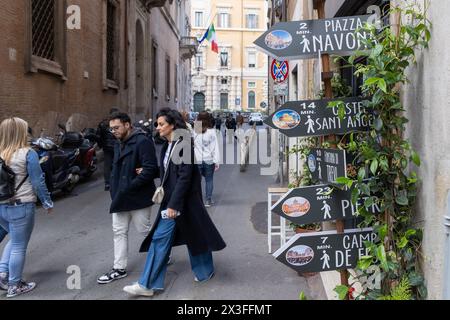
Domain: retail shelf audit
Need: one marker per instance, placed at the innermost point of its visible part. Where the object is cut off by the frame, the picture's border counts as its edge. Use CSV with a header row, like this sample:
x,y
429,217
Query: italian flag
x,y
210,35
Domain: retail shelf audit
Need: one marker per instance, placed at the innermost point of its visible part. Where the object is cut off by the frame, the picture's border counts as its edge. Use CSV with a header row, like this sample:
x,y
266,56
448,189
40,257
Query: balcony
x,y
155,3
188,47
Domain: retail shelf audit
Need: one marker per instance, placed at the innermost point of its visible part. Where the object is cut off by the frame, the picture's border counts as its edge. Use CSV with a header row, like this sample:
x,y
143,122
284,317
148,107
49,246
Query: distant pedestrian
x,y
17,213
182,218
207,154
130,192
231,128
106,141
239,120
218,123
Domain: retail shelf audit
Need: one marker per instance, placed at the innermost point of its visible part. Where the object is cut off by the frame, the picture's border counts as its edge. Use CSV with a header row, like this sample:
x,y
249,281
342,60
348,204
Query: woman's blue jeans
x,y
207,170
155,268
18,221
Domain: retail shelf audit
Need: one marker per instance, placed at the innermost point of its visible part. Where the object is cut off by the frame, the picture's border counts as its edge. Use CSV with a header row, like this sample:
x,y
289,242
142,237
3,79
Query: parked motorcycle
x,y
61,172
87,158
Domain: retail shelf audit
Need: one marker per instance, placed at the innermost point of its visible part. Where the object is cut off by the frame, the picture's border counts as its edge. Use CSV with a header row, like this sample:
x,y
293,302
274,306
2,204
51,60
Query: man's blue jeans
x,y
207,170
155,268
3,234
18,220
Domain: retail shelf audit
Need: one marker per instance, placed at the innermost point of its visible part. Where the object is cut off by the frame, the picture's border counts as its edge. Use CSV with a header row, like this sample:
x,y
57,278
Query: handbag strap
x,y
166,167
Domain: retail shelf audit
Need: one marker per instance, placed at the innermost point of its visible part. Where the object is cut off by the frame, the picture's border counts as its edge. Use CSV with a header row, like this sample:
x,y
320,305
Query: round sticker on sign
x,y
312,163
299,255
279,71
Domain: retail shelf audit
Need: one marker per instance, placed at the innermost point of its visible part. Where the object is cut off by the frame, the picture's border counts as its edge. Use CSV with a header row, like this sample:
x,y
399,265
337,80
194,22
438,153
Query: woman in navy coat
x,y
182,218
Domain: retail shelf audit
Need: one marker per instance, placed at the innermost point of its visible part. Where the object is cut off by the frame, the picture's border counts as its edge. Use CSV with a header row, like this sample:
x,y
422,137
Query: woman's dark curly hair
x,y
172,117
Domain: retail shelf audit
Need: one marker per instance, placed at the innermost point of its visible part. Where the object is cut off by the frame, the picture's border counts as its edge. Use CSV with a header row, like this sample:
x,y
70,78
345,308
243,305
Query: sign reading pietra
x,y
315,118
319,203
326,165
325,251
305,39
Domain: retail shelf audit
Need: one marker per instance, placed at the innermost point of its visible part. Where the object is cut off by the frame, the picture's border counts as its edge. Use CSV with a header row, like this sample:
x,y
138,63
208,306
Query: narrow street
x,y
79,234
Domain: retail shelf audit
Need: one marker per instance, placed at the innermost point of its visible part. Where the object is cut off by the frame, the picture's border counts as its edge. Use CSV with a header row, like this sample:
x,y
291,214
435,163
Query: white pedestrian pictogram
x,y
305,42
310,123
326,260
326,208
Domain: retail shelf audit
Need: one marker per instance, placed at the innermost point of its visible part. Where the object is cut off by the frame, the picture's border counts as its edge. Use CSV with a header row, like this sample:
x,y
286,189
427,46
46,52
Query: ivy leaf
x,y
361,174
365,262
382,85
402,198
381,255
402,243
382,231
410,233
343,180
302,296
415,158
374,166
371,81
415,279
355,195
342,291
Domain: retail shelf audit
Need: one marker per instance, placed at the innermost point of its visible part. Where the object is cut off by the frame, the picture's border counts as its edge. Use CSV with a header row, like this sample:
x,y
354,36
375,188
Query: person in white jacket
x,y
207,153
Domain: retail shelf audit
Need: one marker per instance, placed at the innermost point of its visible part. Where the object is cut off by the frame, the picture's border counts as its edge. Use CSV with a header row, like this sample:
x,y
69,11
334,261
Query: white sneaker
x,y
137,290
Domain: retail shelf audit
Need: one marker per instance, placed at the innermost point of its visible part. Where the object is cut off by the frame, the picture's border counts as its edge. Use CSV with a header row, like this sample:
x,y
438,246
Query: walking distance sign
x,y
279,70
325,251
306,39
326,165
315,118
319,203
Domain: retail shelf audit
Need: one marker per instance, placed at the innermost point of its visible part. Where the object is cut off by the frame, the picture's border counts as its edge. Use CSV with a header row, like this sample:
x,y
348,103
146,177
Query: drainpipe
x,y
446,293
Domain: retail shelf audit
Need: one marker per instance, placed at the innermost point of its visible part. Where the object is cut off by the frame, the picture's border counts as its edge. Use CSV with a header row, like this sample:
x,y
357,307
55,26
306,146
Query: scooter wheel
x,y
68,189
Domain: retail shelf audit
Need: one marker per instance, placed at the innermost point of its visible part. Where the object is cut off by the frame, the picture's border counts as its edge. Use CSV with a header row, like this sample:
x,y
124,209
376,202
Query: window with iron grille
x,y
110,40
45,36
43,28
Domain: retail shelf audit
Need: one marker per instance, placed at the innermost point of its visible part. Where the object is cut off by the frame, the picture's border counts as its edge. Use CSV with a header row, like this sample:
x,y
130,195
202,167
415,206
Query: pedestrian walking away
x,y
130,192
182,218
106,141
17,212
207,154
239,120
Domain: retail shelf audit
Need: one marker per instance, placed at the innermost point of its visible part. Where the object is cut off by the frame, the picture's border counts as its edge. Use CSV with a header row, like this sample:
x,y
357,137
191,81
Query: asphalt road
x,y
78,236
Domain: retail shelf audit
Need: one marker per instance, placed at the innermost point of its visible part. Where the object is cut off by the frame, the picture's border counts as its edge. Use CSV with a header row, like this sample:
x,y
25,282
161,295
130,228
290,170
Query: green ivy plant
x,y
388,158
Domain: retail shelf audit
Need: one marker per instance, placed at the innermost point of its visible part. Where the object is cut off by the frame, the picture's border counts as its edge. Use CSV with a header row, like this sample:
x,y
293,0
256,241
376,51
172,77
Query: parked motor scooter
x,y
86,159
61,172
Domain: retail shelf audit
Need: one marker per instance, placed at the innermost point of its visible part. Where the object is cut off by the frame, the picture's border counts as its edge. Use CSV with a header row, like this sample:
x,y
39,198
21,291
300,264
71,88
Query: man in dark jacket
x,y
131,193
106,141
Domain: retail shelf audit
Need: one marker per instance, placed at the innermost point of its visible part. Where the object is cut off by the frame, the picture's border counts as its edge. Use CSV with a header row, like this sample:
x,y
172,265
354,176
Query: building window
x,y
168,78
251,100
110,41
224,81
43,28
252,59
251,84
155,69
198,19
224,100
223,20
224,59
252,21
199,61
45,36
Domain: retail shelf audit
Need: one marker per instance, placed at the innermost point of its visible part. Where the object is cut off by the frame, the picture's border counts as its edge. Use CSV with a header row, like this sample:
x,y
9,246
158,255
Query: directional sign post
x,y
325,251
306,39
319,203
326,165
315,118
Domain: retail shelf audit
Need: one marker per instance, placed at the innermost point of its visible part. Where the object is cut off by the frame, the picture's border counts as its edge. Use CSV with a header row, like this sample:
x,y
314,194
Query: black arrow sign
x,y
314,118
326,165
319,203
305,39
325,251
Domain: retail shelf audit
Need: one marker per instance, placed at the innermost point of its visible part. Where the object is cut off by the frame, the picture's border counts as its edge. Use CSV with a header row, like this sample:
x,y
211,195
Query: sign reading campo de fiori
x,y
325,251
315,118
319,203
305,39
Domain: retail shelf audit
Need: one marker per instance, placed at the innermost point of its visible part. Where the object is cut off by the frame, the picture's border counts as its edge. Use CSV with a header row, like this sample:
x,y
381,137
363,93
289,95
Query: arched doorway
x,y
251,100
199,102
140,86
